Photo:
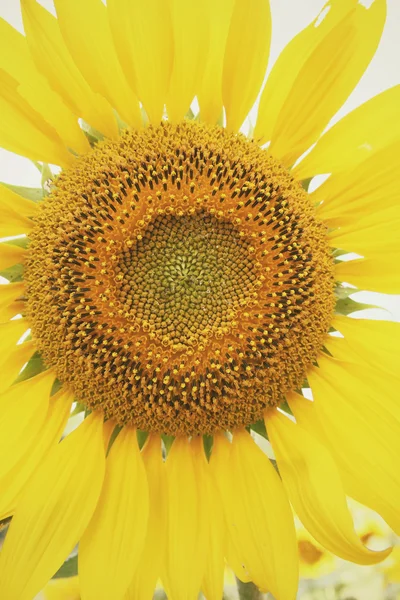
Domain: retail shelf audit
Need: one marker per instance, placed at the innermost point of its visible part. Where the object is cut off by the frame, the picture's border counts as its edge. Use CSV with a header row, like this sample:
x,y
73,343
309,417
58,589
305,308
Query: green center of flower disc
x,y
178,279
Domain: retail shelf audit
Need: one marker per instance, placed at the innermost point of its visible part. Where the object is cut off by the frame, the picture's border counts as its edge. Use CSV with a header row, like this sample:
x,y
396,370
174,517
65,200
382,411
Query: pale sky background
x,y
289,17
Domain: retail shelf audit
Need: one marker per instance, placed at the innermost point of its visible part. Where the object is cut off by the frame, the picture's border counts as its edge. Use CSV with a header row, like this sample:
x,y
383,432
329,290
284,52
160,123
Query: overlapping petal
x,y
53,511
315,489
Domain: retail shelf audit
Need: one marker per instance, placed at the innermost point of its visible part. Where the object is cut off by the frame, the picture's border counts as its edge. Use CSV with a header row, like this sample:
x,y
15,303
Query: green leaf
x,y
306,183
34,194
13,274
344,292
68,569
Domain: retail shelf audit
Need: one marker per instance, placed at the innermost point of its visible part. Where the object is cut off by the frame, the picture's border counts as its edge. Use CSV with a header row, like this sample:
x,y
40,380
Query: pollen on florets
x,y
178,279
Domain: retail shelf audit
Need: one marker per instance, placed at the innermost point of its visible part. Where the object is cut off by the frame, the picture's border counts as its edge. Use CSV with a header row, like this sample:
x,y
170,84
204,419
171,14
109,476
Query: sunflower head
x,y
178,279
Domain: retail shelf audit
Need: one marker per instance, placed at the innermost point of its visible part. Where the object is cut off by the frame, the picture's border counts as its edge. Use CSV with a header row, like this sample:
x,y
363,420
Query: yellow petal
x,y
53,511
10,311
246,58
371,233
357,421
112,543
10,255
190,46
12,362
209,93
219,468
13,483
53,60
144,42
369,187
260,519
9,199
291,61
97,61
13,223
213,579
326,79
367,129
23,409
10,334
377,274
17,62
10,292
61,589
148,570
315,490
24,131
376,342
186,524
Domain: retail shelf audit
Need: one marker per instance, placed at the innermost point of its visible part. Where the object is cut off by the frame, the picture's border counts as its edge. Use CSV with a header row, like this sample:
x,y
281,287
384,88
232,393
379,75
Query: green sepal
x,y
92,134
208,442
78,409
34,194
68,569
14,273
168,441
259,428
33,367
142,437
346,306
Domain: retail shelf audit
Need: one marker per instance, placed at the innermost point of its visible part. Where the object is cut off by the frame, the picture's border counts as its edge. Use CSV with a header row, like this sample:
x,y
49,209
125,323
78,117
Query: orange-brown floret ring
x,y
178,279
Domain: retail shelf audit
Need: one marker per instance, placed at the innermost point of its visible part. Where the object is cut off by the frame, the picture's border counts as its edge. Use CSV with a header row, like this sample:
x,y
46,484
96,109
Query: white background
x,y
289,17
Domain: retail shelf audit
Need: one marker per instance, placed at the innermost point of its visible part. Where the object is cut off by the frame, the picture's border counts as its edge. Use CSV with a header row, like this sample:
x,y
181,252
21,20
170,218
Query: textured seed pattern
x,y
178,279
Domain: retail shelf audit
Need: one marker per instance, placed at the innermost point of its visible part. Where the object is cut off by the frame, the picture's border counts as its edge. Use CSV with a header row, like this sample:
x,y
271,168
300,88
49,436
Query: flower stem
x,y
248,591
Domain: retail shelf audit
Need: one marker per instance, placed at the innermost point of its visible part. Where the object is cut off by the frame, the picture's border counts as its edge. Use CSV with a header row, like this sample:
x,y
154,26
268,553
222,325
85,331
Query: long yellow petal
x,y
13,224
368,128
209,93
219,469
144,42
53,511
361,424
260,519
9,199
97,61
376,342
8,312
213,579
190,46
326,79
13,484
315,490
53,60
17,62
368,188
24,131
291,61
10,255
246,58
23,409
377,274
112,543
186,524
10,292
12,363
10,334
148,570
371,233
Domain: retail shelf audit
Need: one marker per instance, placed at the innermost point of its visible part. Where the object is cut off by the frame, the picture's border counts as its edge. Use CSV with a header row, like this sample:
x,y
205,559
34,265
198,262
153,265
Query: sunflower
x,y
182,286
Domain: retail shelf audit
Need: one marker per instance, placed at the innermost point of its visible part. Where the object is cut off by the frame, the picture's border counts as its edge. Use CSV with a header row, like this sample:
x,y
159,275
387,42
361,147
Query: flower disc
x,y
178,279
